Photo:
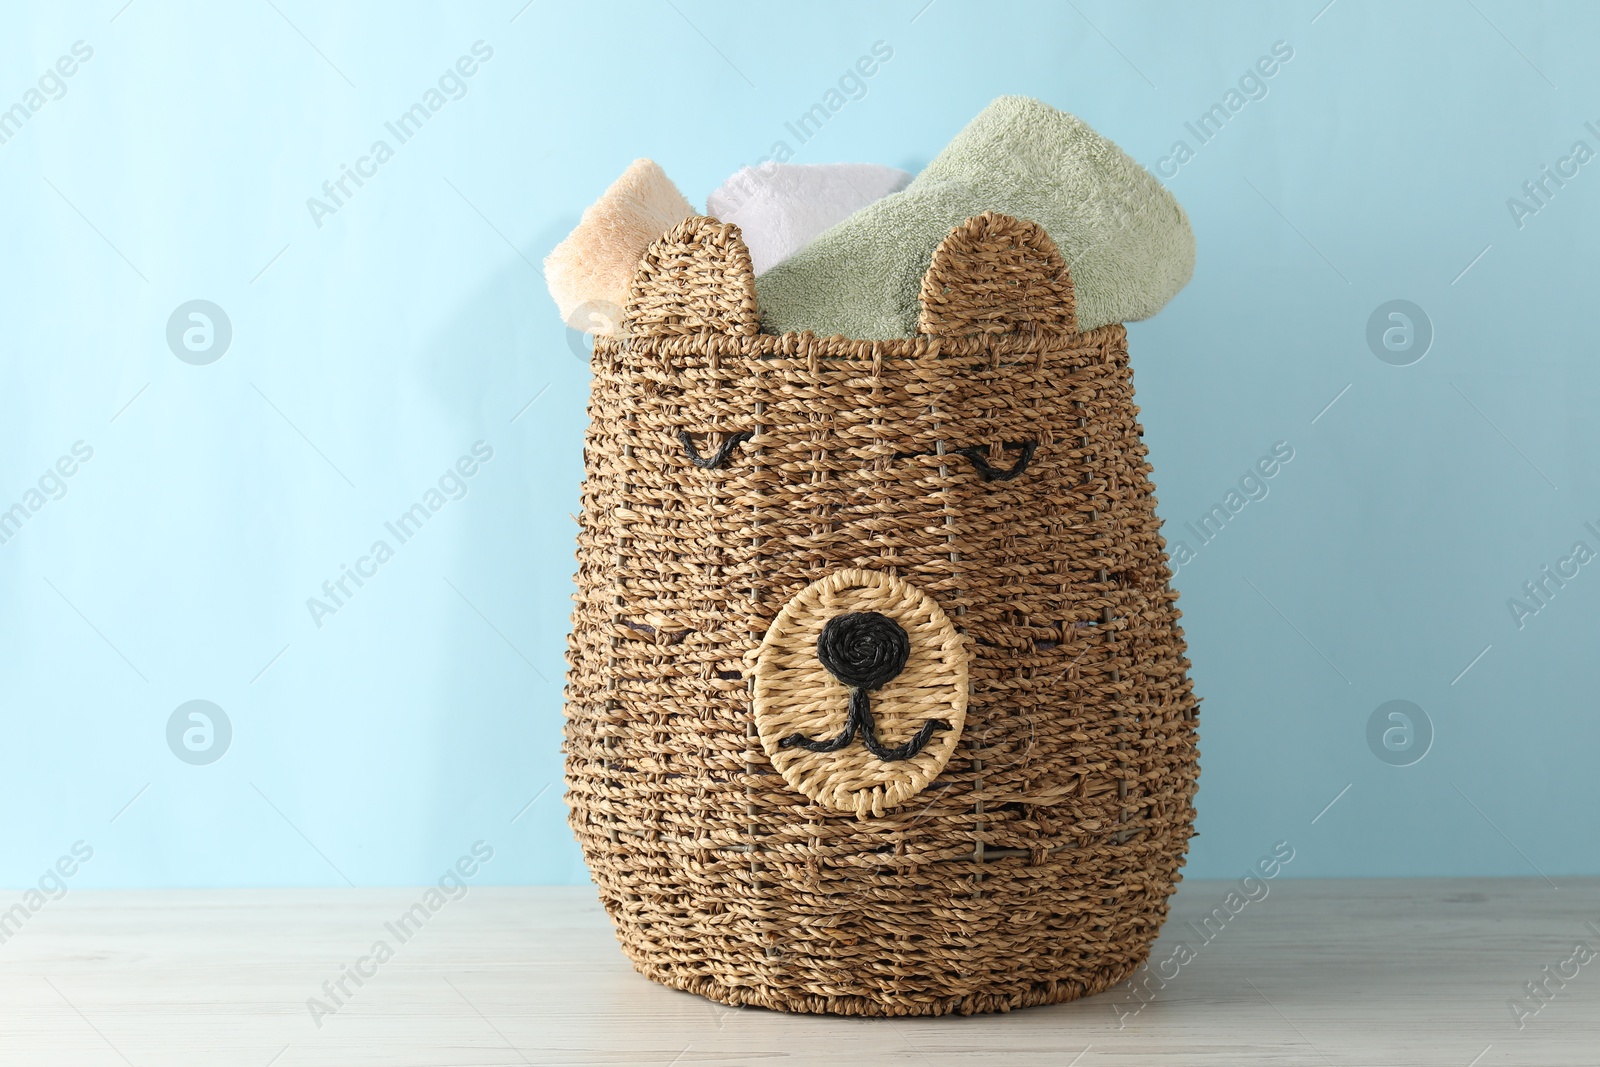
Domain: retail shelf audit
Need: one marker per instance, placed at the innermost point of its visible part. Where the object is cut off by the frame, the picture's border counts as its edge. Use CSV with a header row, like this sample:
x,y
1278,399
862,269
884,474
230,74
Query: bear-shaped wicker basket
x,y
877,700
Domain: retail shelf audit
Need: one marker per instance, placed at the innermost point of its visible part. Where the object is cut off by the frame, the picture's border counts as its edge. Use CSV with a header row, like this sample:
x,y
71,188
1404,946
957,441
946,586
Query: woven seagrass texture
x,y
993,464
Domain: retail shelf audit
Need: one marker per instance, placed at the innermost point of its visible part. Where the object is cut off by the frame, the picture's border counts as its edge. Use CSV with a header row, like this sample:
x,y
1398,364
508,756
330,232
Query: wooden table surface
x,y
1318,972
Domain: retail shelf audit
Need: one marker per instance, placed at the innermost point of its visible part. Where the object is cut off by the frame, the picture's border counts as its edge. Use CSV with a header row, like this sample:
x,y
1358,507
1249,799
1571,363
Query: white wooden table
x,y
1318,972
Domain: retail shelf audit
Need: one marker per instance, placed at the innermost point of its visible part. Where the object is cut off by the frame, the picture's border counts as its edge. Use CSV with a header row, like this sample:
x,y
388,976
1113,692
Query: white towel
x,y
780,207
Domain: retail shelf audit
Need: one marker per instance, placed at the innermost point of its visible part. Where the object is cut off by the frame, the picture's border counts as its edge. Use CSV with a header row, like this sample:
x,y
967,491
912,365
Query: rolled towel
x,y
589,272
780,207
1125,238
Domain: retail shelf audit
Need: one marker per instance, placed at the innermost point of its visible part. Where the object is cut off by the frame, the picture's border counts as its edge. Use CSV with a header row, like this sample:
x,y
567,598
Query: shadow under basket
x,y
877,702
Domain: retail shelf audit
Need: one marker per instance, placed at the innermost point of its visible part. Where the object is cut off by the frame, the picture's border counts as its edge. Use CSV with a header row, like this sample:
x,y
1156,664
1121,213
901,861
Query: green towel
x,y
1126,240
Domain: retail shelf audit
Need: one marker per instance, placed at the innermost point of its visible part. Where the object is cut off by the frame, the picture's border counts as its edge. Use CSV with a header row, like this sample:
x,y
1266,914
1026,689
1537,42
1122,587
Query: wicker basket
x,y
877,700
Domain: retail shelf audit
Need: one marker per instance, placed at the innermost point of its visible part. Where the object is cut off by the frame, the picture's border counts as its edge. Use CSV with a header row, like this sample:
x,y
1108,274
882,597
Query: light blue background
x,y
369,353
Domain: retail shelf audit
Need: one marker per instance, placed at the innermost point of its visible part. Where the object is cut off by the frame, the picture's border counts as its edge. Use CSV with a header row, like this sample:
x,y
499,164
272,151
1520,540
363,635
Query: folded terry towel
x,y
594,266
1124,237
780,207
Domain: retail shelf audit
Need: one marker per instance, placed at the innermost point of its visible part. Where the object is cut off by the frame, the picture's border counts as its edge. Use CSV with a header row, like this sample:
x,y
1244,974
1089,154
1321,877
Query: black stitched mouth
x,y
978,456
861,722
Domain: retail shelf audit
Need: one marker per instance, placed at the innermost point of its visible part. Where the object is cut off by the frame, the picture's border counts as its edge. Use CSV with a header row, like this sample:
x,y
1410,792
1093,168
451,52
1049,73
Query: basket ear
x,y
696,278
997,274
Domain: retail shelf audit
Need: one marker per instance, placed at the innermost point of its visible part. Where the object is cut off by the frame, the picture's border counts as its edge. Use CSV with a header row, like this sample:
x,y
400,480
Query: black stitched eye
x,y
978,455
717,459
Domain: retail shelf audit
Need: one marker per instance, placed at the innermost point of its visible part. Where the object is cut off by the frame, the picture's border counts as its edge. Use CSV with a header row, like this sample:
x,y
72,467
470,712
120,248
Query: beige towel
x,y
589,272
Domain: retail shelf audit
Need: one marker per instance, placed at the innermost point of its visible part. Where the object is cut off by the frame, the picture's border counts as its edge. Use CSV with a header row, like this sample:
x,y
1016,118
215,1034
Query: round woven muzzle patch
x,y
860,691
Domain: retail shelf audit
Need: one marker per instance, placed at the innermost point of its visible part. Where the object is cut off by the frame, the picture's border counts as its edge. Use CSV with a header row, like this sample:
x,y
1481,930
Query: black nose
x,y
863,649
